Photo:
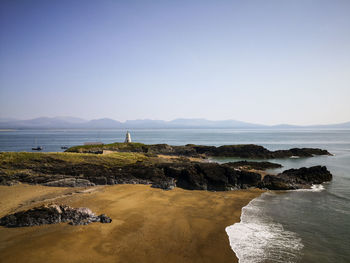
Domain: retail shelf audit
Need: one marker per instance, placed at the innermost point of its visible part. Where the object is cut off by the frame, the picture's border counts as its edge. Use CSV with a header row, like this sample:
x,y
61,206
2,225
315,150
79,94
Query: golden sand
x,y
149,225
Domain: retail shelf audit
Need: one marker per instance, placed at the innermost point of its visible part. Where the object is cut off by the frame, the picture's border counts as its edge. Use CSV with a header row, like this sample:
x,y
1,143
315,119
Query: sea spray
x,y
314,188
258,239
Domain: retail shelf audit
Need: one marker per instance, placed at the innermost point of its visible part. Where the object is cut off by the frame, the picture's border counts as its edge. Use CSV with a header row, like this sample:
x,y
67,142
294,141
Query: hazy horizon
x,y
265,62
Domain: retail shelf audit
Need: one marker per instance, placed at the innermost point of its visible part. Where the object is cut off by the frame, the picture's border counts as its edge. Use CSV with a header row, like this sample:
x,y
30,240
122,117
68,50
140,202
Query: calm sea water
x,y
295,226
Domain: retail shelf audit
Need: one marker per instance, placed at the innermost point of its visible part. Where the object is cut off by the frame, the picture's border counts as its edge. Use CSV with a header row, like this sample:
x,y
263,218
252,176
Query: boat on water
x,y
64,147
38,148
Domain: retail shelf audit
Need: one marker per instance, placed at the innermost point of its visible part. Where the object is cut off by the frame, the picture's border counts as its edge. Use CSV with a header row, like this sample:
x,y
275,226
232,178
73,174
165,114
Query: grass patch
x,y
117,146
28,160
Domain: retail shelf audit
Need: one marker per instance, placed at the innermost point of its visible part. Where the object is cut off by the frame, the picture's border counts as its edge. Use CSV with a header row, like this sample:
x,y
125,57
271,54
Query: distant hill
x,y
70,119
339,125
203,123
42,122
344,125
102,123
105,123
145,124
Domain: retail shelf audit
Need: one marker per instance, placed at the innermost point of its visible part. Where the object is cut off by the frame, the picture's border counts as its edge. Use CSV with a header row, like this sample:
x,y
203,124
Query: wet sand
x,y
149,225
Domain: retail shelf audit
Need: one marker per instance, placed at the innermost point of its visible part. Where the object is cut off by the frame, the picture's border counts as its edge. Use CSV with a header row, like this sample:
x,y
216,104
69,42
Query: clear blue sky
x,y
258,61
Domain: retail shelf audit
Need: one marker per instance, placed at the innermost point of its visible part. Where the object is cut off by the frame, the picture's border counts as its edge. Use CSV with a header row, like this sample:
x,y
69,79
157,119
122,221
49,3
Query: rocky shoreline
x,y
296,178
67,170
53,214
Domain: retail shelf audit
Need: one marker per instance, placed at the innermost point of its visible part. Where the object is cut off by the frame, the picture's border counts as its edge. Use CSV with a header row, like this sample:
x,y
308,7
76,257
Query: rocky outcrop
x,y
210,176
191,150
53,214
314,175
254,165
187,175
69,182
256,151
66,170
296,178
299,152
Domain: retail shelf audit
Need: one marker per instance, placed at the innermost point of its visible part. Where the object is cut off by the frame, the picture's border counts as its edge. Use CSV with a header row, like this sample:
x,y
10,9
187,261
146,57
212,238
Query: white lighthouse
x,y
127,137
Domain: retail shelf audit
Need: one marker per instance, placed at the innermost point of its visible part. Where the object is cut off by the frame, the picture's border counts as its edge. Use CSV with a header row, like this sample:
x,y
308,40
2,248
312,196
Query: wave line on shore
x,y
257,238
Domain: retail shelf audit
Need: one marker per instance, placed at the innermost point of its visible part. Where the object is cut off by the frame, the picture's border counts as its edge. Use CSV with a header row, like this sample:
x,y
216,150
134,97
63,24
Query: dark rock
x,y
52,214
297,178
299,152
210,176
273,182
99,180
4,180
254,165
191,179
111,181
314,175
257,151
186,174
105,219
215,176
132,180
240,151
248,179
69,182
167,183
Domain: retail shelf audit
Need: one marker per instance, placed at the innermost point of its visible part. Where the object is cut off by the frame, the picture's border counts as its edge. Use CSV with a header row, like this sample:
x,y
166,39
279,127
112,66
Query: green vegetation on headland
x,y
42,167
117,146
29,160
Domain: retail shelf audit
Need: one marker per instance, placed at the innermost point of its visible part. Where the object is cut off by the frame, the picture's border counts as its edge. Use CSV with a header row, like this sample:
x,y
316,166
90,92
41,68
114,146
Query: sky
x,y
268,62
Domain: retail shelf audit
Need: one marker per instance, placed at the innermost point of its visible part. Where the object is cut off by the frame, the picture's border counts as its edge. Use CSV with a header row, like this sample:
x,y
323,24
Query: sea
x,y
289,226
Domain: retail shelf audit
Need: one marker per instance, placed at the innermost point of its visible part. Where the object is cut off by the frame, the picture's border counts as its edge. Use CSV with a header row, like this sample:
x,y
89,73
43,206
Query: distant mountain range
x,y
105,123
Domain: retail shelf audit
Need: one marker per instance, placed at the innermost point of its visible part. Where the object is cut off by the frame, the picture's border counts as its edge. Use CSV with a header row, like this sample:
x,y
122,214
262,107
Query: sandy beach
x,y
149,225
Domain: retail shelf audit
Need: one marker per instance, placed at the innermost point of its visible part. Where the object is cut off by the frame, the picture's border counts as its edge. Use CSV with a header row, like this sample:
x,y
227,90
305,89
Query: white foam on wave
x,y
314,188
317,188
258,239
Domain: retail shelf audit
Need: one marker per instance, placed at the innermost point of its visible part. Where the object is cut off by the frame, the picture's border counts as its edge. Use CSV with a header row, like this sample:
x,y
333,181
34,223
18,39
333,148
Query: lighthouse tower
x,y
127,137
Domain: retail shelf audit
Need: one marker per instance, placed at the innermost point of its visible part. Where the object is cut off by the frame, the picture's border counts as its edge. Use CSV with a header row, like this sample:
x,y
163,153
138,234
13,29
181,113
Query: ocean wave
x,y
314,188
294,157
258,239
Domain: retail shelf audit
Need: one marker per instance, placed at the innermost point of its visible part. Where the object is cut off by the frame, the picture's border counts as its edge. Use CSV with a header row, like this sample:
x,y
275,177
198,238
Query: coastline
x,y
149,225
258,238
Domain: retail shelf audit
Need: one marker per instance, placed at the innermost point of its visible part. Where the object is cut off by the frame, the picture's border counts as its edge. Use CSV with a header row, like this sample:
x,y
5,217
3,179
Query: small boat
x,y
38,148
64,147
